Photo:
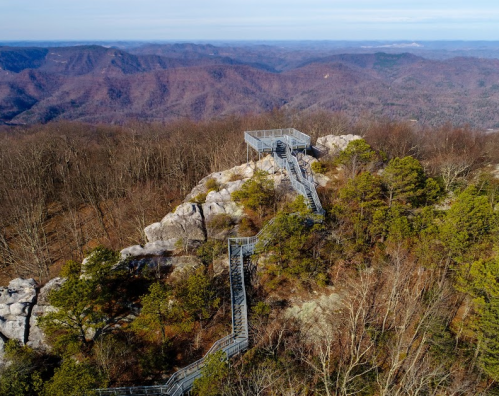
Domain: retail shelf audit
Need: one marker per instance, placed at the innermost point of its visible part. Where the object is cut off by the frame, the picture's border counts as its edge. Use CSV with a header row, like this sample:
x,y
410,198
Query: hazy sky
x,y
248,19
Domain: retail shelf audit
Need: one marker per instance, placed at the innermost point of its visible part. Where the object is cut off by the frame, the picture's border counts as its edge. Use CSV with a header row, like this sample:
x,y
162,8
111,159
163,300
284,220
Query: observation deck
x,y
265,141
283,144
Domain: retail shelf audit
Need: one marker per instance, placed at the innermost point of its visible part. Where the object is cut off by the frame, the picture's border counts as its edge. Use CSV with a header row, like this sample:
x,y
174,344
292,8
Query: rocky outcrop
x,y
182,265
190,221
185,222
156,248
306,161
231,179
16,302
21,304
36,338
312,315
333,144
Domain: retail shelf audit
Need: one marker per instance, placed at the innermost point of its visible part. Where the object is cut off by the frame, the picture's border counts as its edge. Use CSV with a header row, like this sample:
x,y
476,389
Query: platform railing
x,y
264,139
301,183
239,249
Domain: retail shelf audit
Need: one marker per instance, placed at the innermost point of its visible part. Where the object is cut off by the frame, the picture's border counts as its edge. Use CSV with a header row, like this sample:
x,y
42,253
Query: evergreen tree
x,y
404,180
256,194
213,374
21,374
288,238
356,156
74,378
468,225
197,295
481,282
88,304
159,310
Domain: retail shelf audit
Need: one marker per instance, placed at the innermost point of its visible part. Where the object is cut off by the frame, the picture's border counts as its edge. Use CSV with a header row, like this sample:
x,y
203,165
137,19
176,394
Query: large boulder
x,y
320,179
188,222
36,337
231,179
16,303
185,223
156,248
182,265
224,194
314,315
230,208
333,144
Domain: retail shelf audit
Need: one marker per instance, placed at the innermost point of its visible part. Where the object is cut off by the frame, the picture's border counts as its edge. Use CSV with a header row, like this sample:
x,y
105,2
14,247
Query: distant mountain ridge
x,y
165,82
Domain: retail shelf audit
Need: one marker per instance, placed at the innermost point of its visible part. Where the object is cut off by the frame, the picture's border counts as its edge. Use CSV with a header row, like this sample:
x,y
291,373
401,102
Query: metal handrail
x,y
239,248
301,183
291,136
272,133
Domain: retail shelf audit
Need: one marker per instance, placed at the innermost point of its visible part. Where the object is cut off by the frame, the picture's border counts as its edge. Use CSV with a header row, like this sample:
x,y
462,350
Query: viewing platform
x,y
266,141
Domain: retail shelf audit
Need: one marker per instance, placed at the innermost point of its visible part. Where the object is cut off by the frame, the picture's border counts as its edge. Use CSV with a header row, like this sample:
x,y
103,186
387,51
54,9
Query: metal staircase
x,y
283,150
286,158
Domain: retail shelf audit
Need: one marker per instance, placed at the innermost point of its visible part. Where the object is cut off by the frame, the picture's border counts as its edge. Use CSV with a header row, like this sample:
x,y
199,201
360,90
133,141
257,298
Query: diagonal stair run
x,y
283,144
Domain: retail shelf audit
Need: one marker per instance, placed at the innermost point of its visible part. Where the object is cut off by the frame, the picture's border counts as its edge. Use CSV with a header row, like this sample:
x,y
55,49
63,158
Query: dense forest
x,y
397,287
169,82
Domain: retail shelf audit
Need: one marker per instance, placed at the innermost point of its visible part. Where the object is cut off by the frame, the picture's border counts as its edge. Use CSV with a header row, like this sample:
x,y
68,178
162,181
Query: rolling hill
x,y
166,82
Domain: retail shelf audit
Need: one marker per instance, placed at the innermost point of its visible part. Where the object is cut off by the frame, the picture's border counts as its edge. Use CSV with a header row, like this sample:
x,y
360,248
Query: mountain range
x,y
164,82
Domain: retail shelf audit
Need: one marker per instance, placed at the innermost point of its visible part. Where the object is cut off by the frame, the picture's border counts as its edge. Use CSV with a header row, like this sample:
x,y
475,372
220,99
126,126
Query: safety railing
x,y
232,344
271,133
239,248
257,144
243,316
263,140
301,183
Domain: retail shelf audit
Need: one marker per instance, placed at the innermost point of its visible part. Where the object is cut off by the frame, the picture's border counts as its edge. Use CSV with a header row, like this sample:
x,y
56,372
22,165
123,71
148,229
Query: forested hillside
x,y
157,83
395,292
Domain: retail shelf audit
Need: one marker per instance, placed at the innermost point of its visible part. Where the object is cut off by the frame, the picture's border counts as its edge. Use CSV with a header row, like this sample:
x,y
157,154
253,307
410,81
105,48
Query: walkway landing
x,y
266,141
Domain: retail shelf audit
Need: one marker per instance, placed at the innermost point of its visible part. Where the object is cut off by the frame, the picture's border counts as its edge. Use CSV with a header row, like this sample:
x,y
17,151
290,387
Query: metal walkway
x,y
283,144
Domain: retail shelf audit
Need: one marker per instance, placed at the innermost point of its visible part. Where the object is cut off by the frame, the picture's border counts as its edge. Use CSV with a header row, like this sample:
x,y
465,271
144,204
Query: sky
x,y
179,20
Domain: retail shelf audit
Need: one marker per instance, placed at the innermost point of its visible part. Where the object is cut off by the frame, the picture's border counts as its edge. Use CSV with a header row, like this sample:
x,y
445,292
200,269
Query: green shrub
x,y
261,309
318,167
211,249
213,375
236,177
212,185
74,378
247,227
256,194
221,222
200,198
321,279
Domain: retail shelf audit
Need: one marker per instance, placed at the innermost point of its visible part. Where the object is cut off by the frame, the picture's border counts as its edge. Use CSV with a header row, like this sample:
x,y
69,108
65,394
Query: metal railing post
x,y
234,343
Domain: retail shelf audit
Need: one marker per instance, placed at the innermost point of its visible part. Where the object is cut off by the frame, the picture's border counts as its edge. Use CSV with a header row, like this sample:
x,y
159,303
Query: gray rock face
x,y
231,179
220,265
314,315
156,248
333,144
2,351
186,222
224,194
36,337
182,265
16,303
307,161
